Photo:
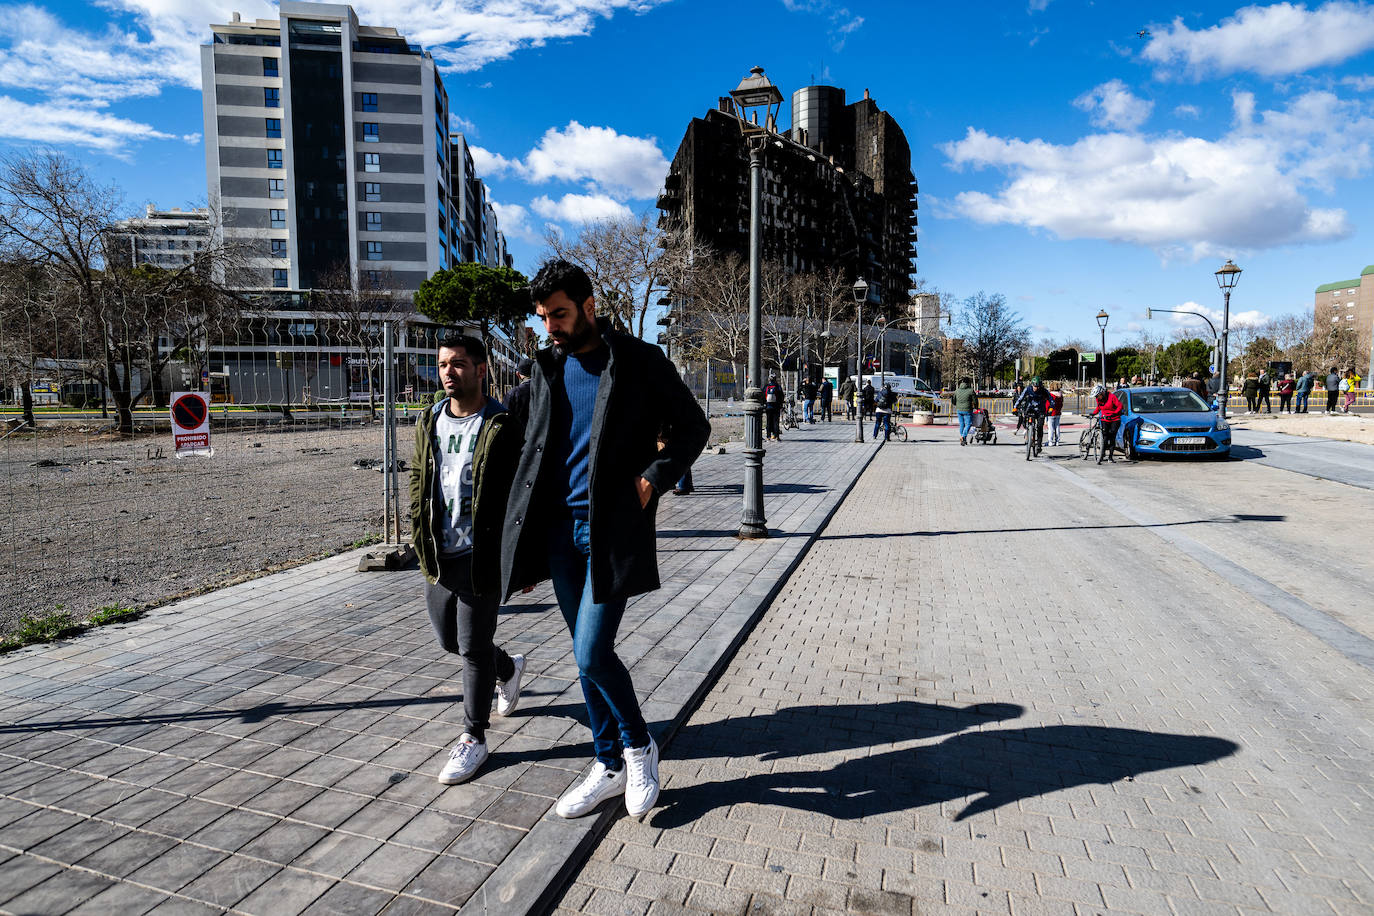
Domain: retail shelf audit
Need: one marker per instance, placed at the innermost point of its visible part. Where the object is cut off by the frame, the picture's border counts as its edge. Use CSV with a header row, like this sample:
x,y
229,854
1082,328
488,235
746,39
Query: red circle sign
x,y
188,412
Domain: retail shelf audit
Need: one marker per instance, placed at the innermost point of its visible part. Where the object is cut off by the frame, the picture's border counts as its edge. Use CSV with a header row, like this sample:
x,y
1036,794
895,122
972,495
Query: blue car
x,y
1170,421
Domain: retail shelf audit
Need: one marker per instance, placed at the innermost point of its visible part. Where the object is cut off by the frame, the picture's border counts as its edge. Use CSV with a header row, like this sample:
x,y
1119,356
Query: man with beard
x,y
582,510
466,447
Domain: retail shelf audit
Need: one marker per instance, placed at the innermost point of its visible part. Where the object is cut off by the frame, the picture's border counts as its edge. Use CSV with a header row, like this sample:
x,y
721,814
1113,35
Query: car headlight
x,y
1222,425
1148,427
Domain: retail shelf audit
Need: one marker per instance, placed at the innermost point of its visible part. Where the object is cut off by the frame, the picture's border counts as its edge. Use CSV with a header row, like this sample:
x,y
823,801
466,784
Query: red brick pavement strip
x,y
271,748
983,692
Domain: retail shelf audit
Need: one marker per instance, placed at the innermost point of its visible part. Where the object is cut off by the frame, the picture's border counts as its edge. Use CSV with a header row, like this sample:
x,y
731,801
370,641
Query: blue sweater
x,y
574,406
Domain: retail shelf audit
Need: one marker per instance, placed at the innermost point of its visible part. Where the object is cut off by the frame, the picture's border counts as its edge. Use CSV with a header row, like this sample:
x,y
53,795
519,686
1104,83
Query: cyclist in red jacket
x,y
1110,409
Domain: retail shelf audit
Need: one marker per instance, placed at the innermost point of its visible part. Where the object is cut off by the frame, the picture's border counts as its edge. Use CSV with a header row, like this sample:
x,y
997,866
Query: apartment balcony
x,y
669,199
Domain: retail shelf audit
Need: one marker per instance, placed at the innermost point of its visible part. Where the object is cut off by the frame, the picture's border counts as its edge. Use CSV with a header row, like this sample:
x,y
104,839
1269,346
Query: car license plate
x,y
1190,440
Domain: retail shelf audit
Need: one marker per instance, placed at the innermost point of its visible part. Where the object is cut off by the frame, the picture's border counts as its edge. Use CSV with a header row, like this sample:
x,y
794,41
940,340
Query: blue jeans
x,y
808,409
1302,401
612,708
883,420
965,423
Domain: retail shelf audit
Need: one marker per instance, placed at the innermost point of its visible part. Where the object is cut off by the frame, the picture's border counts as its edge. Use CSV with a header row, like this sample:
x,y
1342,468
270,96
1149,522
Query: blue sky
x,y
1063,161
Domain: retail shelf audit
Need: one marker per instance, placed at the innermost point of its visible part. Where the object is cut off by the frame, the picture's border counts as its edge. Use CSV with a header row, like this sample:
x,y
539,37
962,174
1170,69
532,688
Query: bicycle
x,y
790,420
1090,440
898,430
1035,436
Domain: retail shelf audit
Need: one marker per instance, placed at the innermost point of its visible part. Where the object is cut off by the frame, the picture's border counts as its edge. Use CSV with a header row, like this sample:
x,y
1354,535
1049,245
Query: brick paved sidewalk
x,y
984,691
271,748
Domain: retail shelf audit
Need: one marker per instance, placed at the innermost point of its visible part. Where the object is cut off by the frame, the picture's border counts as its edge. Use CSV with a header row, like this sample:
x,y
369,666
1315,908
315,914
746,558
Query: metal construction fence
x,y
298,429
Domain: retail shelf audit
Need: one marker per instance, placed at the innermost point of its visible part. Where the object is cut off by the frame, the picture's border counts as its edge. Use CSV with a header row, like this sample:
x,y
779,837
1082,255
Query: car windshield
x,y
1180,401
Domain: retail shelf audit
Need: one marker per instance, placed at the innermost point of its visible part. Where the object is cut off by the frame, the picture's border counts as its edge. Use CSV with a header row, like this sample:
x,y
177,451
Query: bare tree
x,y
621,256
55,220
992,332
355,310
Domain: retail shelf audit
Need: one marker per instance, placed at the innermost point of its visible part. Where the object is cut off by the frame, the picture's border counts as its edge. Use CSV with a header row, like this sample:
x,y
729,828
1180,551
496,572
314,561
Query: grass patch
x,y
365,542
59,625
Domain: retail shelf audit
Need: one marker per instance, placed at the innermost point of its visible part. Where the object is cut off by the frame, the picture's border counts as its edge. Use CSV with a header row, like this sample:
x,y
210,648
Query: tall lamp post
x,y
860,296
1227,278
1216,341
1102,323
755,92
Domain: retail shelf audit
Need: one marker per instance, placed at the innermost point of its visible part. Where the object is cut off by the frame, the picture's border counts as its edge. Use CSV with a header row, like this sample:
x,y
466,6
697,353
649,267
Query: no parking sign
x,y
191,423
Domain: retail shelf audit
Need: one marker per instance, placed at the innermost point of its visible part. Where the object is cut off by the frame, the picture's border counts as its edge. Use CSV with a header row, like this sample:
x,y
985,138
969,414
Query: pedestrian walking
x,y
965,403
1265,386
1286,387
1054,410
1196,385
466,449
882,417
1304,390
1333,389
847,395
772,407
1016,391
866,398
1251,391
582,510
806,393
1347,386
827,395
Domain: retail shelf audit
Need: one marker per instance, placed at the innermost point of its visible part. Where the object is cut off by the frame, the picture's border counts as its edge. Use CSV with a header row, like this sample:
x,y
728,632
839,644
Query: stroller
x,y
983,430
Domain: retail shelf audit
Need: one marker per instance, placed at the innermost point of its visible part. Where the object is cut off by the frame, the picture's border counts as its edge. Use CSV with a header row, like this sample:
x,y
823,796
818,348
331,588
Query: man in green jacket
x,y
466,450
965,403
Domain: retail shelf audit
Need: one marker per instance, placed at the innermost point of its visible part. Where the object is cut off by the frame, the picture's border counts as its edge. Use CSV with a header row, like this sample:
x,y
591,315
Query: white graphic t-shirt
x,y
455,440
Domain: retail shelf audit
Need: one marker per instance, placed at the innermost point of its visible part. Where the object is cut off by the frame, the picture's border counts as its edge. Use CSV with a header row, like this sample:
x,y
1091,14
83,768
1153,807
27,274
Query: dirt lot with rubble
x,y
92,520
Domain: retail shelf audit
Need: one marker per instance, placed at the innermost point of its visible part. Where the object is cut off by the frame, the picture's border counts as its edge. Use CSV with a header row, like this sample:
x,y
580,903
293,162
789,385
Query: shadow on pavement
x,y
737,489
263,711
1224,520
999,766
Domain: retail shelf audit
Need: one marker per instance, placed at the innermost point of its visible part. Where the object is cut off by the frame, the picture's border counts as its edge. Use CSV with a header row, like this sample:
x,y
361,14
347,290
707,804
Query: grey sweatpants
x,y
466,626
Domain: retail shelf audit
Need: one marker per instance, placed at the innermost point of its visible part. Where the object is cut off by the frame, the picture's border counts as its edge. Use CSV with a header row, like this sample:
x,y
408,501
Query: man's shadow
x,y
998,766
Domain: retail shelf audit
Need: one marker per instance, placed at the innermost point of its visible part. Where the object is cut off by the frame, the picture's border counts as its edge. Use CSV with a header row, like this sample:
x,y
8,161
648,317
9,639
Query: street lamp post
x,y
755,92
1227,278
1216,341
1102,323
860,296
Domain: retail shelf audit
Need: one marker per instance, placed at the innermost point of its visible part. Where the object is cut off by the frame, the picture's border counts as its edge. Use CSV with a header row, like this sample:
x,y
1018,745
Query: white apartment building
x,y
326,144
169,239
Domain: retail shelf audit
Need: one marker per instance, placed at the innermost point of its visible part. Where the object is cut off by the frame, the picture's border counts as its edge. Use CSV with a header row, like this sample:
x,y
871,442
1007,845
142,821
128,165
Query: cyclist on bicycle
x,y
1034,404
1110,409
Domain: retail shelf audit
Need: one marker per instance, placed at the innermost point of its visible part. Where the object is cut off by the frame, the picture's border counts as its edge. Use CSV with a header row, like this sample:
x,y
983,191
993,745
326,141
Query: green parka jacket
x,y
493,468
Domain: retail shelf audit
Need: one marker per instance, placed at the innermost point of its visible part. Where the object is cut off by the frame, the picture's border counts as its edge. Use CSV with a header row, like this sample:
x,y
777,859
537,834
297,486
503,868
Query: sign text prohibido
x,y
191,423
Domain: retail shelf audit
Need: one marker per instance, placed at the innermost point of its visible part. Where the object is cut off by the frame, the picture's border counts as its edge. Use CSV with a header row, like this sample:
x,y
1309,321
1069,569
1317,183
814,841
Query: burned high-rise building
x,y
838,191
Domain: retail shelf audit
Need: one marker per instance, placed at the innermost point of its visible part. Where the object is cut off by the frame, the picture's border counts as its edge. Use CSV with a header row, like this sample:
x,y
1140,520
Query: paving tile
x,y
287,892
228,882
391,867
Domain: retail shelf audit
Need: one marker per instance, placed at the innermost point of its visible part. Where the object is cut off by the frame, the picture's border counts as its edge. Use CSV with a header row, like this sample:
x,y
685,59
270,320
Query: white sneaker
x,y
641,788
464,760
508,692
599,785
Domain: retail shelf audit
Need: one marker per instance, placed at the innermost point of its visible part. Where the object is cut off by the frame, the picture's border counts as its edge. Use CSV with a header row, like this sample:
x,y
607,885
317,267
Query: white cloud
x,y
1113,105
612,164
580,208
1038,6
1179,194
616,163
54,125
514,221
842,22
1187,111
1359,83
1275,40
491,165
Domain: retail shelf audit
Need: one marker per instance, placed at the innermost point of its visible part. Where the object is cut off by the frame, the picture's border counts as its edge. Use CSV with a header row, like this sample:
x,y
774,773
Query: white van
x,y
901,384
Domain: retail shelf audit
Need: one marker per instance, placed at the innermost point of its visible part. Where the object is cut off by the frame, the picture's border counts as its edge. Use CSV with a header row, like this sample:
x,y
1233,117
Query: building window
x,y
274,127
276,187
374,251
278,248
371,132
373,222
271,66
271,97
372,162
274,158
374,278
277,219
369,101
279,277
372,190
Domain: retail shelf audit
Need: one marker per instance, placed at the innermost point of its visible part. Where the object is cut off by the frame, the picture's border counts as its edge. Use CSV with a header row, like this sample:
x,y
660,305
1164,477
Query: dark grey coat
x,y
640,392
